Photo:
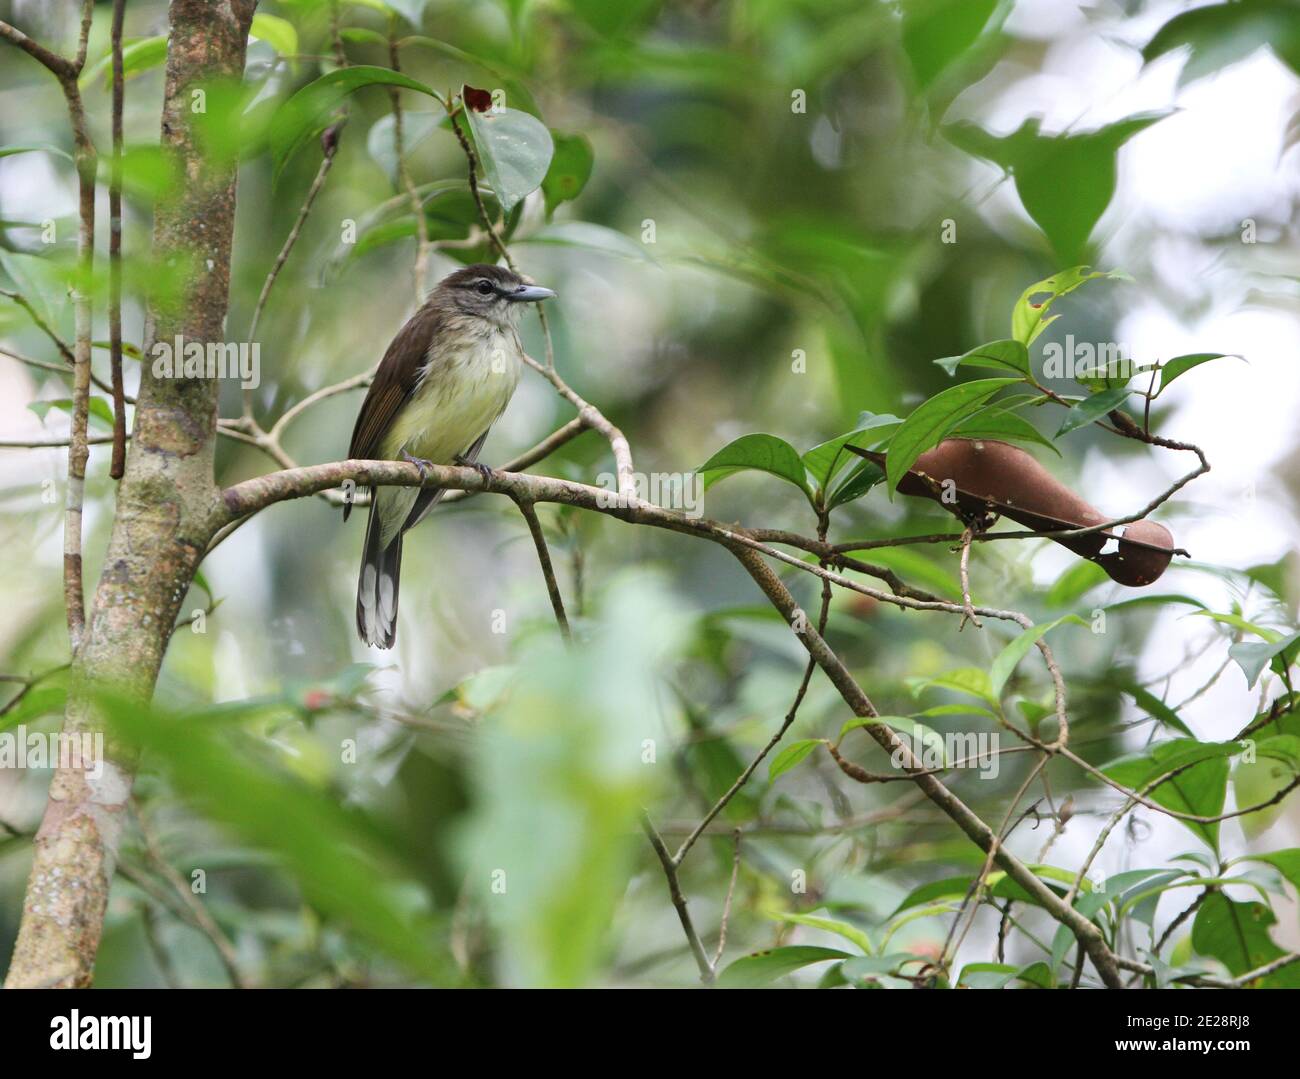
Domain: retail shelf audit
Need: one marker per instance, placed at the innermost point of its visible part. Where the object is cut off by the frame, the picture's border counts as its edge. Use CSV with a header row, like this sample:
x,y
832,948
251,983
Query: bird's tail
x,y
381,569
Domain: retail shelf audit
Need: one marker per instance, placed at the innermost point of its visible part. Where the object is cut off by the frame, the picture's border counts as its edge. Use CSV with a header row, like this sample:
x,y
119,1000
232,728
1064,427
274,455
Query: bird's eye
x,y
484,288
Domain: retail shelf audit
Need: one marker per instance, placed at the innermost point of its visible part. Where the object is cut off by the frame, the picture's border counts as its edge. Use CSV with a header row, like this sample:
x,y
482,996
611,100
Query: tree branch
x,y
118,464
707,974
164,504
1088,935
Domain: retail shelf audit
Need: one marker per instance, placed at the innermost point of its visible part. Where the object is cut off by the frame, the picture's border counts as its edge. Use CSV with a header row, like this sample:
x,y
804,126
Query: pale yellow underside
x,y
462,396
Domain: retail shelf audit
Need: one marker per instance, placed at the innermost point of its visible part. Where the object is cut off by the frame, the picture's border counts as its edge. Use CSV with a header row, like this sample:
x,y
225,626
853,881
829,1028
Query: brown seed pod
x,y
977,477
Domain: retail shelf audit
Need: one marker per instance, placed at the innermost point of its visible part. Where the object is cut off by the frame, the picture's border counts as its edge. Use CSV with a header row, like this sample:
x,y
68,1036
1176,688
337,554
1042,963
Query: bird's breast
x,y
466,385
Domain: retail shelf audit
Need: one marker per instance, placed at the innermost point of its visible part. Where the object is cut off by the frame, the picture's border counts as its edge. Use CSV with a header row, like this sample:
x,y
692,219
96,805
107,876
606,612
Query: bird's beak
x,y
529,294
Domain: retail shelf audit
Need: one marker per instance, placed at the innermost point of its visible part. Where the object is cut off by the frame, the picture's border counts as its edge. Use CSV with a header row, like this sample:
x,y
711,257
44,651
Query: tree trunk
x,y
165,507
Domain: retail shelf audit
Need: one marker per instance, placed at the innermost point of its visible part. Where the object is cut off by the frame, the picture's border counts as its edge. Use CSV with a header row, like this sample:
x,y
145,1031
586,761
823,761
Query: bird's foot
x,y
478,466
421,463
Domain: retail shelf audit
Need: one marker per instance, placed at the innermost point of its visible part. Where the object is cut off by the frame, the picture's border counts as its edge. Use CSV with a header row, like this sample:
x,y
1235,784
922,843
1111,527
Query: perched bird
x,y
447,376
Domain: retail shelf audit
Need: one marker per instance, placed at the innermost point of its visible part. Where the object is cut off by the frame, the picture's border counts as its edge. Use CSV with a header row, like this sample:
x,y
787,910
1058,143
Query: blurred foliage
x,y
769,226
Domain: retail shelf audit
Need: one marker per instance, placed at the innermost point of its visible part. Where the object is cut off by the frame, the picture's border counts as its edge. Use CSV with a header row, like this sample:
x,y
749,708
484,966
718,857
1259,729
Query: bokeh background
x,y
488,783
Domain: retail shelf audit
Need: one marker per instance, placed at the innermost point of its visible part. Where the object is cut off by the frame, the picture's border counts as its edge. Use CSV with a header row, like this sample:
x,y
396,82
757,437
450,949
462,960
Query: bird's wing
x,y
396,379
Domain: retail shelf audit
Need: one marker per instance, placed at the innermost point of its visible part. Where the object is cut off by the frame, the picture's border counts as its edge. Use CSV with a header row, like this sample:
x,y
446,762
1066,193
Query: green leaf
x,y
1034,712
1218,35
1155,707
791,755
825,461
1161,599
515,149
859,480
1080,578
9,151
1180,365
137,57
1029,318
278,33
307,112
762,968
868,968
611,19
971,680
1002,424
44,282
381,139
1259,783
363,35
1199,790
1276,575
1007,356
757,452
1237,622
1253,658
1037,974
958,710
997,882
1286,862
47,699
927,426
1138,891
97,409
148,173
1065,181
1281,747
849,932
1237,935
1092,408
589,237
986,975
1013,653
569,171
936,33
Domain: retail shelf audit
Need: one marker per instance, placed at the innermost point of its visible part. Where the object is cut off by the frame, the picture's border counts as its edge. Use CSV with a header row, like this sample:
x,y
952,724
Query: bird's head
x,y
494,293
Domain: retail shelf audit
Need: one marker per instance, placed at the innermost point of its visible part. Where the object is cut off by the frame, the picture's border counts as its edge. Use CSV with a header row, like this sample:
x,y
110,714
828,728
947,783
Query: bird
x,y
445,379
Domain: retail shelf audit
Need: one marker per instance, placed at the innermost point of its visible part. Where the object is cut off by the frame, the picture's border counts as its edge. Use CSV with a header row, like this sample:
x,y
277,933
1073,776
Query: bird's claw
x,y
478,466
421,463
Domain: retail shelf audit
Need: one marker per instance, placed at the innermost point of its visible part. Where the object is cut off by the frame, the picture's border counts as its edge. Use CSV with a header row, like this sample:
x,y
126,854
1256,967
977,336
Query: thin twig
x,y
149,920
707,974
548,570
423,247
790,716
329,146
726,904
118,465
62,369
78,449
41,324
954,940
204,920
964,568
